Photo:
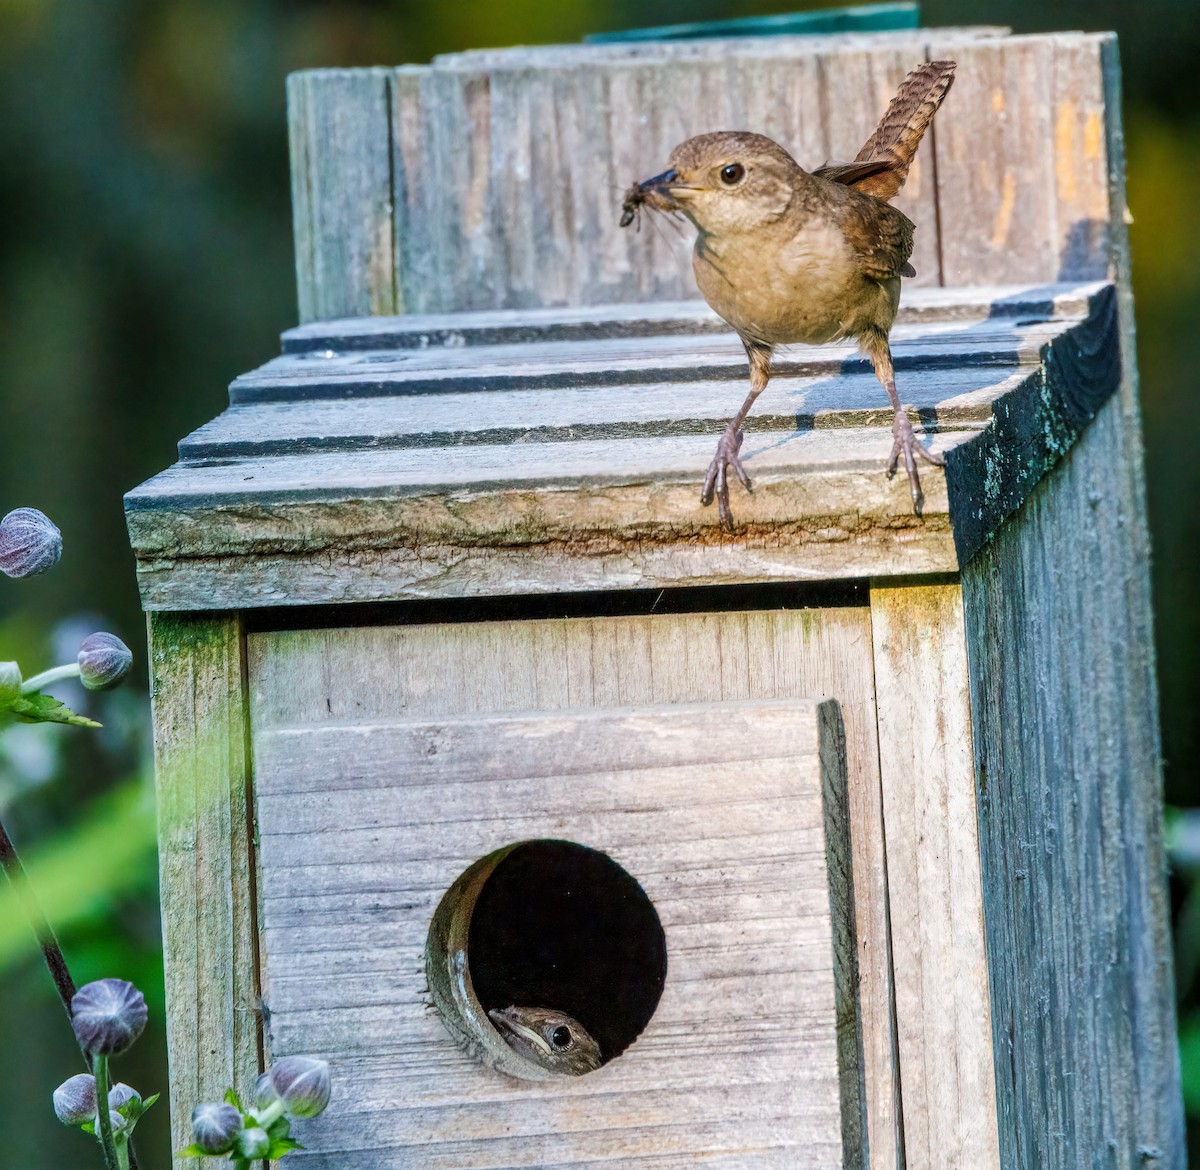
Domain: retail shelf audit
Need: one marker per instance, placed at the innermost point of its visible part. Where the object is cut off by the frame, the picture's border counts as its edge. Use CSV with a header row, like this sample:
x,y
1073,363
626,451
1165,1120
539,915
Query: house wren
x,y
789,255
556,1041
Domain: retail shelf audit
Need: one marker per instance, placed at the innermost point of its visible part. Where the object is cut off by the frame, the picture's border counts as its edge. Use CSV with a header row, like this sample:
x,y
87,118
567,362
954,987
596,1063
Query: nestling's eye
x,y
561,1036
732,174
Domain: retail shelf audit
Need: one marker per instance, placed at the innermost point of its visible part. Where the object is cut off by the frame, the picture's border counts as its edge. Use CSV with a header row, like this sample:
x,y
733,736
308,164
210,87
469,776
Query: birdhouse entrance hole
x,y
546,927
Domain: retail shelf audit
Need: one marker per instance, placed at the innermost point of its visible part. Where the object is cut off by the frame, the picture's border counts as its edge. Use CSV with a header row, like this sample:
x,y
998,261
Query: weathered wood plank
x,y
339,128
505,169
954,398
1022,162
1071,823
205,862
340,677
1034,427
934,890
625,361
590,322
995,169
738,968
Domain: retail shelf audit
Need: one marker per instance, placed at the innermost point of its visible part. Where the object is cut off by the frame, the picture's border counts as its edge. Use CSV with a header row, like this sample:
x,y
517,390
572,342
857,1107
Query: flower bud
x,y
120,1095
75,1099
115,1122
10,681
104,660
252,1143
108,1016
264,1091
29,543
215,1126
302,1083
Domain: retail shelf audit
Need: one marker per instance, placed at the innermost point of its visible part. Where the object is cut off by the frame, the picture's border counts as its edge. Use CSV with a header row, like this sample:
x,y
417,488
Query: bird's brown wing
x,y
887,155
850,174
881,237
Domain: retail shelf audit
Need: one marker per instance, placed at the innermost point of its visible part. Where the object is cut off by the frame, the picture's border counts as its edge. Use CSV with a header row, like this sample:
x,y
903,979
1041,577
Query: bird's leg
x,y
904,442
730,443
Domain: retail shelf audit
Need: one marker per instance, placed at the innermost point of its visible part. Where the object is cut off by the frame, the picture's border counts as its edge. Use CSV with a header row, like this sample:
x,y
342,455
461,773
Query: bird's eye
x,y
733,173
561,1036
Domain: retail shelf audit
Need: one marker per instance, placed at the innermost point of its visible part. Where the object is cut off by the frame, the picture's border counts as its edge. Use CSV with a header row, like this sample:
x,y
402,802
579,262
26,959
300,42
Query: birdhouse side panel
x,y
1070,810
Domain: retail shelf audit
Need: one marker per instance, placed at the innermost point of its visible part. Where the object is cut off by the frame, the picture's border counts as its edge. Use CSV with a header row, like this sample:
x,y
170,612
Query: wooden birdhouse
x,y
838,836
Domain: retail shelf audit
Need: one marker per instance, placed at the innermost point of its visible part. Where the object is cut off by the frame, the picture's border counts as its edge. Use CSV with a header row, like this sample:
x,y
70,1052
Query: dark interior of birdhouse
x,y
563,926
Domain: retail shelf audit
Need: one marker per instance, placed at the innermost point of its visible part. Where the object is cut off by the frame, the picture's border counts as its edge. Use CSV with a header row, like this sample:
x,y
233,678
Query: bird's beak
x,y
506,1023
658,192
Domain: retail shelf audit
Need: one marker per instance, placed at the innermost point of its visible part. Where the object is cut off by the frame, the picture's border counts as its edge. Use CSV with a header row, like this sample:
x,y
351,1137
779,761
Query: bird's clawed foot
x,y
716,482
905,443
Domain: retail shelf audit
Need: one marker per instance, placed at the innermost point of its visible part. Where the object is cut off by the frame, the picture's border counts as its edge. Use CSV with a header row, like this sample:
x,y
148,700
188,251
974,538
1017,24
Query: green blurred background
x,y
146,259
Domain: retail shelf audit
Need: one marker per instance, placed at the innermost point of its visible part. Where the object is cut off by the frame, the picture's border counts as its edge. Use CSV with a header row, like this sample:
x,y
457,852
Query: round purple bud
x,y
264,1091
29,543
104,660
75,1099
253,1143
108,1016
303,1085
120,1095
215,1126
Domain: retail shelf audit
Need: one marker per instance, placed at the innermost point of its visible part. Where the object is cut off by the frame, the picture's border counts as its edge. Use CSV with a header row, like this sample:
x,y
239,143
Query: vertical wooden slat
x,y
943,1023
995,167
205,860
1084,222
339,128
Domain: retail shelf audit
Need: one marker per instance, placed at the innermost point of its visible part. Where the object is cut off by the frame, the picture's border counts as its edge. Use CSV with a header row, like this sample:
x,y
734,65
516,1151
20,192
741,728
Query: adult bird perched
x,y
788,255
555,1040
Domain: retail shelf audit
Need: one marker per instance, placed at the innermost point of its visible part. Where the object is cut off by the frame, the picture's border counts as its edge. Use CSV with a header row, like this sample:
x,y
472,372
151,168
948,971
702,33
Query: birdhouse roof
x,y
526,451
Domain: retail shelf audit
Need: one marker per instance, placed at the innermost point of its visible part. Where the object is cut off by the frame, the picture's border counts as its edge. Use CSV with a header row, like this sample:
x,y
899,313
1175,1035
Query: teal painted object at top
x,y
864,18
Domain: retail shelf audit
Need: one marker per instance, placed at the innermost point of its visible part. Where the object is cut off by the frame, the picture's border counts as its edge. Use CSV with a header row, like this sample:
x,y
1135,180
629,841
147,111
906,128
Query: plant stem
x,y
53,675
103,1117
56,963
51,951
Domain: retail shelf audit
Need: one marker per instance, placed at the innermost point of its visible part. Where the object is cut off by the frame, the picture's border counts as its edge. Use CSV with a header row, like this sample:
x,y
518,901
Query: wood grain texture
x,y
943,1020
660,319
206,866
1021,161
742,1054
506,168
338,677
340,133
1071,825
580,459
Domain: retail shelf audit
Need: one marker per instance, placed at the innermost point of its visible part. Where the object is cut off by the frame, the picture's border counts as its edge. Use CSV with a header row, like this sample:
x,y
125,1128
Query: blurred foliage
x,y
145,260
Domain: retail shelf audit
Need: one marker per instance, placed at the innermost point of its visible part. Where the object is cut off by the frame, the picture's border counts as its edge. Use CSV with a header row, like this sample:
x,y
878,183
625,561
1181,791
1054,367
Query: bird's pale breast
x,y
803,286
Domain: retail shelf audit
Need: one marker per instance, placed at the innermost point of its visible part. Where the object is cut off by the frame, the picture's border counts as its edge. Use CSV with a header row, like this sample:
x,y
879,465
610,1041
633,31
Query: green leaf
x,y
150,1101
231,1098
192,1151
38,708
280,1127
281,1146
88,1127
